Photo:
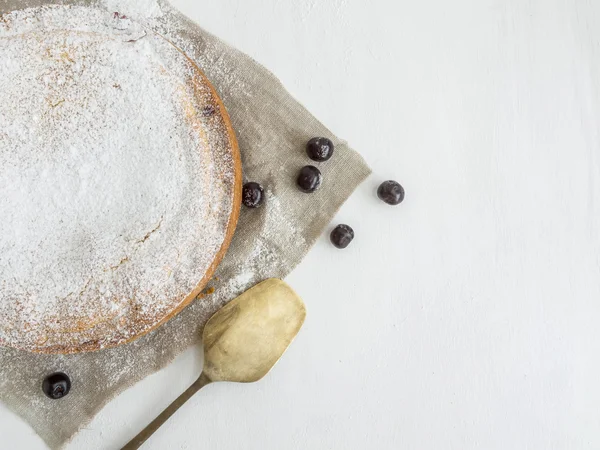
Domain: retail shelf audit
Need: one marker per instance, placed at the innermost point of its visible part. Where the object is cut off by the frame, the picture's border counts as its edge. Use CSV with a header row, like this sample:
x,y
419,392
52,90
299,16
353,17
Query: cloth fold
x,y
272,129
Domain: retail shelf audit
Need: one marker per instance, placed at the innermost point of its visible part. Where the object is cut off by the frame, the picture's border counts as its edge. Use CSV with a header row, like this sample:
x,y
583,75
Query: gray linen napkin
x,y
272,129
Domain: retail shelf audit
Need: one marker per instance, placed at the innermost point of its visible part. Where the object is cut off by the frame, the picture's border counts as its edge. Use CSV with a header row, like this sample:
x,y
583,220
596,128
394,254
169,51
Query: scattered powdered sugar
x,y
278,216
138,10
211,55
260,261
116,178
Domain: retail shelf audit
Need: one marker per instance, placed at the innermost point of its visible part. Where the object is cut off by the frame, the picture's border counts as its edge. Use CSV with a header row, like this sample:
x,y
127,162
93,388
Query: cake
x,y
120,179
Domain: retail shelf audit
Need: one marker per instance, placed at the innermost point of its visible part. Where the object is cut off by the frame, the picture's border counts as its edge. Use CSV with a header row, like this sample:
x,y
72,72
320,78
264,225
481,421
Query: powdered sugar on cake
x,y
116,179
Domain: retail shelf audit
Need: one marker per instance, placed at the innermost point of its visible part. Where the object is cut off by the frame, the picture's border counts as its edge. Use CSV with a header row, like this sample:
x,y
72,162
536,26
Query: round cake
x,y
120,179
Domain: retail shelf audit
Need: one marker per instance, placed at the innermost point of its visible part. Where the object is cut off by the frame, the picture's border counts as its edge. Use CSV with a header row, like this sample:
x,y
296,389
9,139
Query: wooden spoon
x,y
242,342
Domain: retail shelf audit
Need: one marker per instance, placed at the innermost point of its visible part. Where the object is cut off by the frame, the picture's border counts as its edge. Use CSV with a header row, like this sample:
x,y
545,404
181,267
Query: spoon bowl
x,y
242,342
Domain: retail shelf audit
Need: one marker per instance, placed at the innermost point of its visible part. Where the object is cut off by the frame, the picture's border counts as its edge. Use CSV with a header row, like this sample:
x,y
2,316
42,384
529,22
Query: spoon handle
x,y
143,436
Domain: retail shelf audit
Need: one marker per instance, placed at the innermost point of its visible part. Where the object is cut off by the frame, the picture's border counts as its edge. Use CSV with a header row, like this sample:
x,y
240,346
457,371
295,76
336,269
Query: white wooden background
x,y
468,317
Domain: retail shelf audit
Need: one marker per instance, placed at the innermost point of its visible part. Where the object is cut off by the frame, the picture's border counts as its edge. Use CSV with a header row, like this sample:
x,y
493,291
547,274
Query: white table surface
x,y
466,318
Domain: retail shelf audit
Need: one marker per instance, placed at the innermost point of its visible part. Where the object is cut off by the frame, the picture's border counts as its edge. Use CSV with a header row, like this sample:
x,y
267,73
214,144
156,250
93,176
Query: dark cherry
x,y
56,386
309,179
391,192
319,149
252,195
341,236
